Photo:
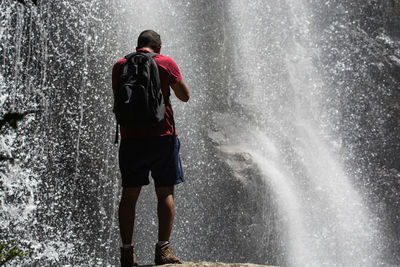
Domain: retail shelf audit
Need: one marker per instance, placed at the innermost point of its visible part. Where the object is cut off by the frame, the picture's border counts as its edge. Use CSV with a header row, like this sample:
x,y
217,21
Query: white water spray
x,y
256,97
327,221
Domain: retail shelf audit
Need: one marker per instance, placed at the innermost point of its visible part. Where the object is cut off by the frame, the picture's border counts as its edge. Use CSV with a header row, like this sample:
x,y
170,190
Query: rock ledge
x,y
216,264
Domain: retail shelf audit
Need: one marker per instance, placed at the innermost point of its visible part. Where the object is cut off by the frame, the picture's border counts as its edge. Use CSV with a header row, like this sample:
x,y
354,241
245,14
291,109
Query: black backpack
x,y
138,99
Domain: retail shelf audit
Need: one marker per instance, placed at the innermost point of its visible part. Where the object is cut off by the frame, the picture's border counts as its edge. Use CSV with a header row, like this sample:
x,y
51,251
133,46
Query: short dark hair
x,y
149,38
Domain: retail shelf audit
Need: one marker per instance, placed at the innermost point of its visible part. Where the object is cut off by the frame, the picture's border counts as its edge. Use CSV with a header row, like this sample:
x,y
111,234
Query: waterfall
x,y
270,176
287,137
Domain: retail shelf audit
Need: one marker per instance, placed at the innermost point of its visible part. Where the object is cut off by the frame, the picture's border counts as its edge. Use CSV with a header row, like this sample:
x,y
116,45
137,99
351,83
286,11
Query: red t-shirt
x,y
169,74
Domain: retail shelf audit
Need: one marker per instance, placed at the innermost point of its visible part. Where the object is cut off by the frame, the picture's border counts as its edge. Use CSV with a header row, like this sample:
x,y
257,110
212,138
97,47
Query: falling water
x,y
289,141
269,178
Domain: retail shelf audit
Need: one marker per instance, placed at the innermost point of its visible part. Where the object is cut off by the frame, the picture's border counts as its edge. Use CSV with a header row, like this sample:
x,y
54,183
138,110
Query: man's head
x,y
149,39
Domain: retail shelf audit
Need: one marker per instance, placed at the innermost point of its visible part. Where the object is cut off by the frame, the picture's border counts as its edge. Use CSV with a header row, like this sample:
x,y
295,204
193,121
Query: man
x,y
151,149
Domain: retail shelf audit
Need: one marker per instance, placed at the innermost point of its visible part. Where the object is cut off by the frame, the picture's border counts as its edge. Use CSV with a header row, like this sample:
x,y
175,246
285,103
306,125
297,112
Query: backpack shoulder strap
x,y
130,55
167,100
152,54
149,55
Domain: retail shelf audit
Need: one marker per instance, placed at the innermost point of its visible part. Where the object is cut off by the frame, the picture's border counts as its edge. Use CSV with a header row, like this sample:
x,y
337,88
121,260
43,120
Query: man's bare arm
x,y
181,91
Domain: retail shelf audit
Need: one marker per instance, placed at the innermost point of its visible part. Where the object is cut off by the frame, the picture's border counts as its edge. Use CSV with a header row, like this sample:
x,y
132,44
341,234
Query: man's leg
x,y
165,211
126,213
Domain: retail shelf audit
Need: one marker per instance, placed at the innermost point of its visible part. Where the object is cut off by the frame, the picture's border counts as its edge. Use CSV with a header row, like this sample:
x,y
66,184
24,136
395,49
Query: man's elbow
x,y
185,98
181,91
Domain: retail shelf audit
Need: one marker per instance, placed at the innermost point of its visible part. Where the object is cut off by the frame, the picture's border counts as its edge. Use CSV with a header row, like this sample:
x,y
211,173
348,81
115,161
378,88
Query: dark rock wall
x,y
358,52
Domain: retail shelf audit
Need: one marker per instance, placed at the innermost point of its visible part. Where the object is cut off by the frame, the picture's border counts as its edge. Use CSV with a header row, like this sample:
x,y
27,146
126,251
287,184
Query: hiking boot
x,y
128,257
164,255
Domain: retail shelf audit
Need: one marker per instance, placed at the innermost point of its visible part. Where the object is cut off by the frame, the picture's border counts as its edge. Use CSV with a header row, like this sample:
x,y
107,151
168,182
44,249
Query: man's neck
x,y
148,49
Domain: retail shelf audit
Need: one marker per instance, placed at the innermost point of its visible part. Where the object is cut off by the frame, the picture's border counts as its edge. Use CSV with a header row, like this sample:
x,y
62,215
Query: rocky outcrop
x,y
359,48
216,264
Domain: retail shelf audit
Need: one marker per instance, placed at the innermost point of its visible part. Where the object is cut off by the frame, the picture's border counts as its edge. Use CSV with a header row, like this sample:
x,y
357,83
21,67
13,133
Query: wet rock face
x,y
370,15
359,56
